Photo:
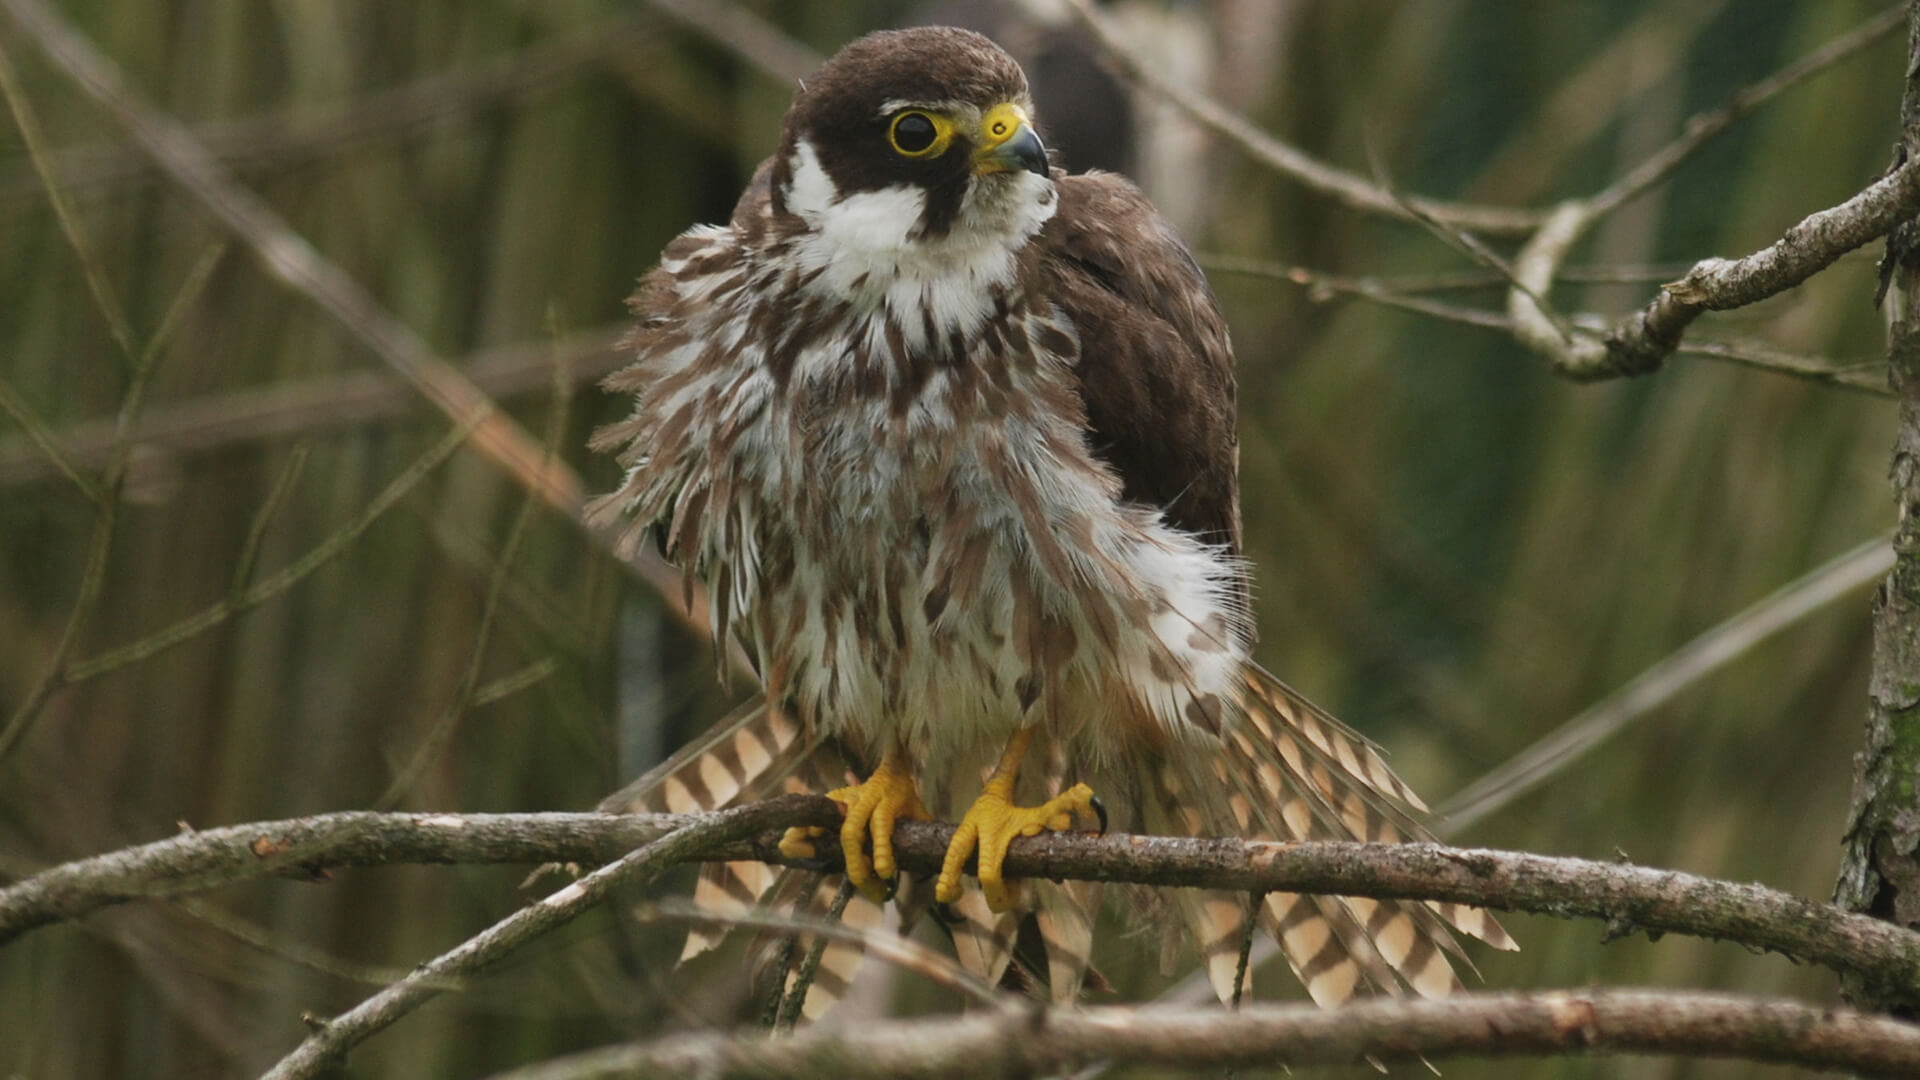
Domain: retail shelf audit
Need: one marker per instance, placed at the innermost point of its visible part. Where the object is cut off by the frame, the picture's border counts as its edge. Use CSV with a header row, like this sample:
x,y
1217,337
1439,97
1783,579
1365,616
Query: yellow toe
x,y
797,842
872,809
990,825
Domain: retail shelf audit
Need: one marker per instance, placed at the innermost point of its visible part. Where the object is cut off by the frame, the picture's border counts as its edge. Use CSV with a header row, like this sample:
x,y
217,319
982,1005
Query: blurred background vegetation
x,y
1456,551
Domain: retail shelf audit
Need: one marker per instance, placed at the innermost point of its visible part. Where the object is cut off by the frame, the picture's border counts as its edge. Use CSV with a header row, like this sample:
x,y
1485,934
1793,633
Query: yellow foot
x,y
872,808
992,824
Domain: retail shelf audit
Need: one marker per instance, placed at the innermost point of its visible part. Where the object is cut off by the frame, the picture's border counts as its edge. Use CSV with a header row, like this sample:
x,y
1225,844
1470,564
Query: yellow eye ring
x,y
917,134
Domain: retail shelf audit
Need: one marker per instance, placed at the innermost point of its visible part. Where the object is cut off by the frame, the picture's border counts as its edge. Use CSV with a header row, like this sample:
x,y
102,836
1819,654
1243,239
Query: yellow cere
x,y
1002,122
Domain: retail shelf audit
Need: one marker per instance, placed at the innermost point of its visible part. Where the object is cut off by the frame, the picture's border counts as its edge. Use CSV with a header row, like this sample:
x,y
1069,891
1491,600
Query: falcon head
x,y
915,146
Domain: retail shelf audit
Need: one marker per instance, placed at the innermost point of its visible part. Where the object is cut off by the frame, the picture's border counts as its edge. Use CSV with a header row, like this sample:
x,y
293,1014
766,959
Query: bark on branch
x,y
1030,1042
1627,898
1641,341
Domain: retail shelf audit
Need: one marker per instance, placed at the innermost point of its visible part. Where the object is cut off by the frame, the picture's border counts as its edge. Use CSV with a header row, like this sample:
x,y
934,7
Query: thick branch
x,y
1016,1042
1626,897
1643,340
302,847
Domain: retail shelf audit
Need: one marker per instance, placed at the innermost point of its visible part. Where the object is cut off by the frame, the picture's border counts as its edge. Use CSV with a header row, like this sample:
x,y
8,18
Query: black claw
x,y
1099,811
945,913
893,888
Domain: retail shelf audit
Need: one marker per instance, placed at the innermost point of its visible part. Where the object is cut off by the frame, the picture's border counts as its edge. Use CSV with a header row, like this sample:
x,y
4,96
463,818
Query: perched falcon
x,y
949,435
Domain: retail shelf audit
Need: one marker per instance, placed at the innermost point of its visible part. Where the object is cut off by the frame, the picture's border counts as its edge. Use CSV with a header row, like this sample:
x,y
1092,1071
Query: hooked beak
x,y
1008,143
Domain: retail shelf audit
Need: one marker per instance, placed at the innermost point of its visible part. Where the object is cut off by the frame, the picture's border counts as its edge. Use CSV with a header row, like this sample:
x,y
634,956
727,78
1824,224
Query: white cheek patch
x,y
863,223
811,191
880,222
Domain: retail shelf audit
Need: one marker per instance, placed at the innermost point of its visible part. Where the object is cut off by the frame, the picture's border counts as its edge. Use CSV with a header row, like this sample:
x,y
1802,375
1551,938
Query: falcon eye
x,y
915,134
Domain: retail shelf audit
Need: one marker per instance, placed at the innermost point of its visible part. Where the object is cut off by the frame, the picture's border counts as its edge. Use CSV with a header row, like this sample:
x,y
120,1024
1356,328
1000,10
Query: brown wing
x,y
1156,368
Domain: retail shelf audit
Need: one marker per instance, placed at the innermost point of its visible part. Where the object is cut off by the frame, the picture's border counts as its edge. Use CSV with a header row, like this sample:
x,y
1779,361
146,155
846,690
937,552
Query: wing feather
x,y
1156,367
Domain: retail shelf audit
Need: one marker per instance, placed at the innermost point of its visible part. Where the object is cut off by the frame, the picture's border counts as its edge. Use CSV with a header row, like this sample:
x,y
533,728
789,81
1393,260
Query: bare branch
x,y
1047,1042
217,421
1702,128
1348,188
1640,343
746,35
629,45
1644,339
887,945
289,258
1657,685
1536,325
317,556
1626,897
1404,293
1878,866
335,1037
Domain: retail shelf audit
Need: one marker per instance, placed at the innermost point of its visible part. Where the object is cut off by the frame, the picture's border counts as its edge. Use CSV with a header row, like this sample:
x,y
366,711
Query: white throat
x,y
867,243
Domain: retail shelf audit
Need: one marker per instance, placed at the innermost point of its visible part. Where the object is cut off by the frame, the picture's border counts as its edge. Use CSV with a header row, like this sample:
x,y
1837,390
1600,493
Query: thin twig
x,y
1347,188
284,137
107,514
287,257
219,421
888,947
1562,1022
1323,286
1703,127
337,1036
45,445
441,732
249,557
1395,293
514,681
796,995
1680,669
326,551
104,299
258,937
1455,281
1758,355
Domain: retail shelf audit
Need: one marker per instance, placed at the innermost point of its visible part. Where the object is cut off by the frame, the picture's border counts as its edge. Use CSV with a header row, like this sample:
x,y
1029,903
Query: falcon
x,y
949,436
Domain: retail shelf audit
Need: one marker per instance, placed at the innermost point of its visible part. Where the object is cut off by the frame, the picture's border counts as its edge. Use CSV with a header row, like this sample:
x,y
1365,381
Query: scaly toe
x,y
872,809
991,825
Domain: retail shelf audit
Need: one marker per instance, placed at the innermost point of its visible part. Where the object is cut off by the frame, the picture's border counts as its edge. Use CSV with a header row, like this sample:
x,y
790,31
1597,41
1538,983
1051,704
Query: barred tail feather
x,y
740,759
754,752
982,940
1285,770
1065,920
726,889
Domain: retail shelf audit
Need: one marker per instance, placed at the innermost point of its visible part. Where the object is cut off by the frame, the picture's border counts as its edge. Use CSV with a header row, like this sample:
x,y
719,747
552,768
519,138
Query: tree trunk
x,y
1880,873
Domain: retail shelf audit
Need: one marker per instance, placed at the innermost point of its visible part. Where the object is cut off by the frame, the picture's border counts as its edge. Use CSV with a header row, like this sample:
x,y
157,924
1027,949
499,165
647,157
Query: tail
x,y
1288,771
754,753
757,752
